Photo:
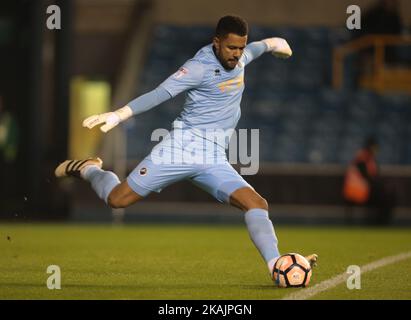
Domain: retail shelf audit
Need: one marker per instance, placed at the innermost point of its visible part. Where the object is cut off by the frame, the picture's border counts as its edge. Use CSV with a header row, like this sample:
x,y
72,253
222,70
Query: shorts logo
x,y
143,171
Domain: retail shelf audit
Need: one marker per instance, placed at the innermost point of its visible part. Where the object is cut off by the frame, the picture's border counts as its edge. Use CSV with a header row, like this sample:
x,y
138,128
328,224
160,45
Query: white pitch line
x,y
341,278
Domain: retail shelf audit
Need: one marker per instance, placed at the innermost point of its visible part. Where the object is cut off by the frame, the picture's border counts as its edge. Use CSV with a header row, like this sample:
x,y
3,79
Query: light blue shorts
x,y
220,180
182,156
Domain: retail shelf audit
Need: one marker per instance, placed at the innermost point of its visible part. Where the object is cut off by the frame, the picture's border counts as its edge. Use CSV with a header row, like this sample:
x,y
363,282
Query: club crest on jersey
x,y
143,171
181,72
217,72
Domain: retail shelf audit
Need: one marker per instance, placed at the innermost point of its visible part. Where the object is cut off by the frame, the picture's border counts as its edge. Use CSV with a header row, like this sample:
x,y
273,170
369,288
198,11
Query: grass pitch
x,y
189,262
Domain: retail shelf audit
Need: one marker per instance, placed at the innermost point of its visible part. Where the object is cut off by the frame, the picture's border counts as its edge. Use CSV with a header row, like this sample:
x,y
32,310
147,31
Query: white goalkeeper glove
x,y
278,47
110,119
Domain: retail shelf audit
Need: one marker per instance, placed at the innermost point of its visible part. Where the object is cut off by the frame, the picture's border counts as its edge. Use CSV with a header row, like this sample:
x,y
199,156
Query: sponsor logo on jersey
x,y
181,72
231,84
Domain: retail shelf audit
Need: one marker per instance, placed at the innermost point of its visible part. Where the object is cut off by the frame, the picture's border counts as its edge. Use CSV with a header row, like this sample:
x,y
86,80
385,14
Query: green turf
x,y
189,262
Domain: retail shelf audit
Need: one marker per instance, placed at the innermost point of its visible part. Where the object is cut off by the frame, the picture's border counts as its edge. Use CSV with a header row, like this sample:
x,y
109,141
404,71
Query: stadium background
x,y
108,52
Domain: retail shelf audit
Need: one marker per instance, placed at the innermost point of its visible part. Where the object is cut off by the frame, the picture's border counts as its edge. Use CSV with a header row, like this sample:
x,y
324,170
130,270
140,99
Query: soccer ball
x,y
292,270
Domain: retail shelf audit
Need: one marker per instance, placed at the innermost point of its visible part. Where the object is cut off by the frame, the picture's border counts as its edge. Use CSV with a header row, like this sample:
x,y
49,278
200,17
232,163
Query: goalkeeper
x,y
214,81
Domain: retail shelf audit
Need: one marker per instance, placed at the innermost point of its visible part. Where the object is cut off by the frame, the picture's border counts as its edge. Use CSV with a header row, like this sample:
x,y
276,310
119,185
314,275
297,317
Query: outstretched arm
x,y
136,106
187,77
277,46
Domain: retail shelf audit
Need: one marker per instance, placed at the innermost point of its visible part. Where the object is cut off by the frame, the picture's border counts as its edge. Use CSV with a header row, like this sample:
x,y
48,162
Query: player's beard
x,y
234,63
224,62
227,66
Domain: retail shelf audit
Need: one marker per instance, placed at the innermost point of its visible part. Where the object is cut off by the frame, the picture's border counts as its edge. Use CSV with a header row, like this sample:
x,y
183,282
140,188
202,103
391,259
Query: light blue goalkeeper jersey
x,y
213,93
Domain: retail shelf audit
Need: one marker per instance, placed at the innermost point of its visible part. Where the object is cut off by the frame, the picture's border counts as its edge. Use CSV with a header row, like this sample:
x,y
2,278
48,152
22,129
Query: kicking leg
x,y
259,225
226,185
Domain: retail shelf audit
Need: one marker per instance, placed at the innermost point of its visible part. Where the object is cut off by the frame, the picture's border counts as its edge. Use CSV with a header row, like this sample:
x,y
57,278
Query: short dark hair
x,y
231,24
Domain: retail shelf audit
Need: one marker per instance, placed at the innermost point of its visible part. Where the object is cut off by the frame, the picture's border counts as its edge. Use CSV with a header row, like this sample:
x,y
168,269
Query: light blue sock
x,y
103,182
261,231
